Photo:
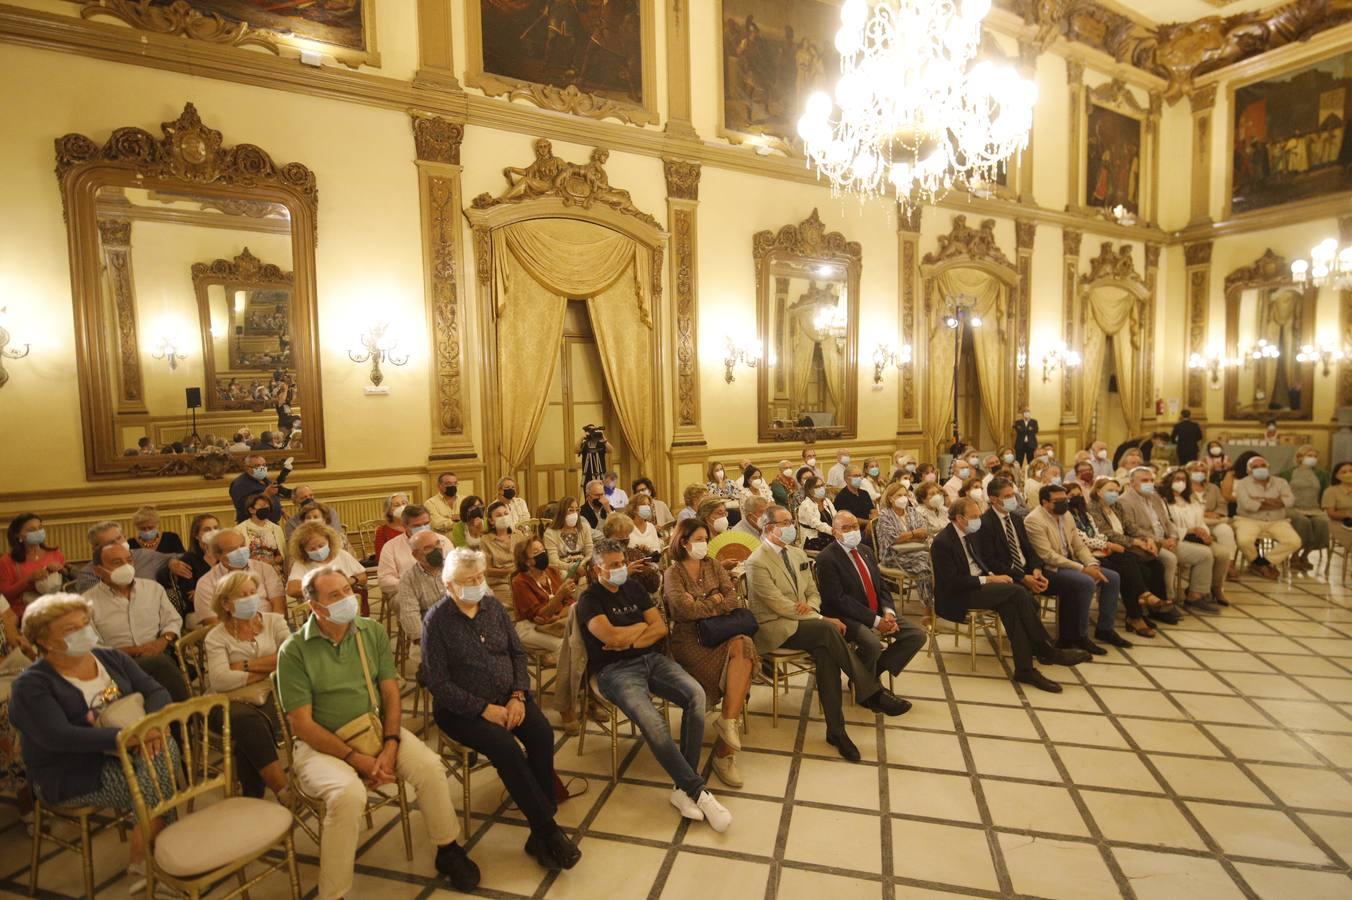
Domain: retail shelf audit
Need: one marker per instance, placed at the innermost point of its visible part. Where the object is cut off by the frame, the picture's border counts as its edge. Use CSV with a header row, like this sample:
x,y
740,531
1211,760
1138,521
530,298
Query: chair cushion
x,y
237,828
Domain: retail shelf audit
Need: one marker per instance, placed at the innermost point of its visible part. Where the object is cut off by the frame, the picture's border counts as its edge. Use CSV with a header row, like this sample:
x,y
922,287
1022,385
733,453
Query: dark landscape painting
x,y
1291,140
337,22
775,54
594,44
1113,167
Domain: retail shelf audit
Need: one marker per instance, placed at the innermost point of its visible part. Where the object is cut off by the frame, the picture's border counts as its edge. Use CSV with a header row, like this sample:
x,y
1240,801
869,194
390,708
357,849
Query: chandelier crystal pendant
x,y
1329,264
913,106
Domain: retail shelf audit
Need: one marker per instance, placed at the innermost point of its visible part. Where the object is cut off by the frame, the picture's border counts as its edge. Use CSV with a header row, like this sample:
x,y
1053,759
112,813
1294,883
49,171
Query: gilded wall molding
x,y
436,138
1116,264
1152,272
1071,242
808,238
682,178
115,241
1197,258
1025,233
908,274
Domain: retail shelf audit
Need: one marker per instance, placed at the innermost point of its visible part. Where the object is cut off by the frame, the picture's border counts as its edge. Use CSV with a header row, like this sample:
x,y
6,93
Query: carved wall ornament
x,y
1203,98
575,185
118,260
1345,229
189,151
807,238
1198,254
437,139
1116,93
1267,268
682,178
245,270
1071,239
239,206
908,217
1025,230
687,360
971,243
1116,264
1152,256
442,225
564,100
115,232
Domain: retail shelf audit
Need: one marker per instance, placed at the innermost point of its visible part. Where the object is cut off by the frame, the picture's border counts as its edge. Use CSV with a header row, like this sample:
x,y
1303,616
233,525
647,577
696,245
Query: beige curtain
x,y
990,342
1115,313
833,365
939,399
803,344
538,266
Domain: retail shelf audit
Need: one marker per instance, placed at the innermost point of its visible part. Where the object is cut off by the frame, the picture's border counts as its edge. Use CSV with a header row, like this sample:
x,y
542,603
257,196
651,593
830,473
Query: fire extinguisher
x,y
1159,406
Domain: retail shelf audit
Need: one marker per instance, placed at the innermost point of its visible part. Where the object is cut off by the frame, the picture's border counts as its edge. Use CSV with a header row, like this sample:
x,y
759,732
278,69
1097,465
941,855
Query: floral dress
x,y
914,562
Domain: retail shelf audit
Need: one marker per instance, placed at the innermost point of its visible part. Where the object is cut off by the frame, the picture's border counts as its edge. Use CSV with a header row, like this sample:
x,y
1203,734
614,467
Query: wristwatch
x,y
519,695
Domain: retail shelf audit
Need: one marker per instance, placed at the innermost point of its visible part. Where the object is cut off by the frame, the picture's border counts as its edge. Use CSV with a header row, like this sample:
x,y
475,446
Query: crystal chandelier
x,y
1328,264
913,107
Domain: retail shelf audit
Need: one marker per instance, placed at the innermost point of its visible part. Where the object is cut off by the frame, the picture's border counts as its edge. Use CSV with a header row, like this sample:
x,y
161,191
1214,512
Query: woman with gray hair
x,y
475,667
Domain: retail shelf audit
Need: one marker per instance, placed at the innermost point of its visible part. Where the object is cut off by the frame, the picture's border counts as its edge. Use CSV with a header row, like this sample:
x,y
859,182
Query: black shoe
x,y
1221,601
565,851
1168,618
1038,680
887,703
453,862
1090,647
1061,656
844,746
1202,604
537,849
1113,638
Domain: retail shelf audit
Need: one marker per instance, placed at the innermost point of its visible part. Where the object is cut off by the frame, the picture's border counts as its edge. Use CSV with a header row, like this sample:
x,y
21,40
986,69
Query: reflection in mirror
x,y
1268,319
807,282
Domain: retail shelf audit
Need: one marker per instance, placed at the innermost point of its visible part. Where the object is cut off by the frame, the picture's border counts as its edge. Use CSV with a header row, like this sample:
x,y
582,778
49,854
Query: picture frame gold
x,y
1116,96
568,99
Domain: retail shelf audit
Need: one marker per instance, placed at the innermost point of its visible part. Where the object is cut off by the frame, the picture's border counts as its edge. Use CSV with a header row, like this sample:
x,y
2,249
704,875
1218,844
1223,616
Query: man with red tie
x,y
853,591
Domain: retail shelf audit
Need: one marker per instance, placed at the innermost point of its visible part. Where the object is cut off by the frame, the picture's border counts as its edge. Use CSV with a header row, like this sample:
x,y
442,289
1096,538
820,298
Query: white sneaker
x,y
681,800
715,813
725,767
728,729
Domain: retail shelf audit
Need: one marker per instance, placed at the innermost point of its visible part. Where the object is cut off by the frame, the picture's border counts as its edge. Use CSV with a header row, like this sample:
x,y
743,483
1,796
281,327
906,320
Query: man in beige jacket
x,y
1145,516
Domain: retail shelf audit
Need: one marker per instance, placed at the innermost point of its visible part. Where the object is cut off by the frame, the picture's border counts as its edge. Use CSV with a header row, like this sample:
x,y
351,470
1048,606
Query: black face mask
x,y
541,561
435,558
510,493
475,513
1077,504
1061,507
450,489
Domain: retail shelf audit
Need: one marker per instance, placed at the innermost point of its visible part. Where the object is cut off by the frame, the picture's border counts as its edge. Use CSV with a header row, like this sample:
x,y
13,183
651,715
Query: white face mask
x,y
845,460
936,501
977,494
344,611
901,501
758,483
123,575
850,539
397,512
1102,454
502,523
570,520
473,593
810,461
1180,487
699,549
720,524
645,512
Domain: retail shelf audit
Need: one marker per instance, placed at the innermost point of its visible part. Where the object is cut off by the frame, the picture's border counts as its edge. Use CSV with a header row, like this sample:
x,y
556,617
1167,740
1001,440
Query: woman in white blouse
x,y
315,544
241,656
644,536
1187,511
753,483
815,514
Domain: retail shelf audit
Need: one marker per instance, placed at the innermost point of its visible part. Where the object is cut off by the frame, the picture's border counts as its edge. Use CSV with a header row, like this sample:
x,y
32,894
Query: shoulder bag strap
x,y
366,671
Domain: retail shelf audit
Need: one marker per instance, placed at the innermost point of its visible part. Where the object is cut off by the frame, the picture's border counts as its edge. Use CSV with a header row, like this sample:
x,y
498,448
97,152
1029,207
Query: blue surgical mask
x,y
1055,479
319,555
1008,457
1310,461
78,643
1261,472
645,512
259,472
418,529
1010,503
1148,487
148,535
856,481
34,538
1197,477
964,472
473,593
618,576
850,539
973,526
819,492
788,534
873,471
1110,497
237,558
245,607
344,611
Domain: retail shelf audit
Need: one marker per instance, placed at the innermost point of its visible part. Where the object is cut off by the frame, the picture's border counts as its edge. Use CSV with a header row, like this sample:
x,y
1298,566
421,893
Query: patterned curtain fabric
x,y
992,365
1113,313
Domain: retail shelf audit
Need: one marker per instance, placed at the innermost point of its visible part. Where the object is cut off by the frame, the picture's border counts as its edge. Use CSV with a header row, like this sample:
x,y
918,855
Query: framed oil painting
x,y
1290,138
588,57
345,28
1114,162
775,54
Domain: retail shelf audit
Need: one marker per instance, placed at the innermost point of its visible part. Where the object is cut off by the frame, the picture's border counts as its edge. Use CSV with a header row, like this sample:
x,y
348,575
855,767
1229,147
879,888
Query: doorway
x,y
577,396
1109,423
974,425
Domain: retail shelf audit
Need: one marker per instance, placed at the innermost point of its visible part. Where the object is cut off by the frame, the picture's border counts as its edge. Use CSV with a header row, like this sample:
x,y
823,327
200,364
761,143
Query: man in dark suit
x,y
1186,437
963,581
1025,438
1008,551
853,591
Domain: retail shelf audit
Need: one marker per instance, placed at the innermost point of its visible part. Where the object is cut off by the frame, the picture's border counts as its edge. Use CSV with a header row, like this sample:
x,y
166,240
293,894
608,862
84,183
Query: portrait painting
x,y
1290,137
593,45
775,54
342,23
1113,169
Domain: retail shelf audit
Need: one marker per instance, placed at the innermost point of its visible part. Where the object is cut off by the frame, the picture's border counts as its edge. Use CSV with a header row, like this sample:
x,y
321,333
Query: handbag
x,y
366,733
125,710
716,630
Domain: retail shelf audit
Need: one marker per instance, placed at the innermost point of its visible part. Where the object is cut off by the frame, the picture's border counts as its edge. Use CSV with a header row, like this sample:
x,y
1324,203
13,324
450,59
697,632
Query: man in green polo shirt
x,y
323,686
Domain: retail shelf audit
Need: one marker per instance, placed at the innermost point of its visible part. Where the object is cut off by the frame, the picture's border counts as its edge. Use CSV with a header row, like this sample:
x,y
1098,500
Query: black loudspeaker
x,y
194,397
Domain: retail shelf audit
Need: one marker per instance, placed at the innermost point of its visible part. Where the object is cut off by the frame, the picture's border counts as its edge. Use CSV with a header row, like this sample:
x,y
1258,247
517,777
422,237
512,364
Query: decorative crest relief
x,y
245,269
1116,264
682,178
1268,267
807,238
437,139
965,242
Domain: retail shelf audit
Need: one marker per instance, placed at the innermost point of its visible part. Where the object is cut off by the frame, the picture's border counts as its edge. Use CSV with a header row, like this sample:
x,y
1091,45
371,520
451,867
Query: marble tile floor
x,y
1213,761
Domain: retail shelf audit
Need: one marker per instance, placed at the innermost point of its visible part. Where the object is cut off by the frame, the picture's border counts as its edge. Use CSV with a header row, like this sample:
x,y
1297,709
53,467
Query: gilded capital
x,y
1024,232
1152,256
682,178
1203,99
437,139
908,217
1198,254
1070,241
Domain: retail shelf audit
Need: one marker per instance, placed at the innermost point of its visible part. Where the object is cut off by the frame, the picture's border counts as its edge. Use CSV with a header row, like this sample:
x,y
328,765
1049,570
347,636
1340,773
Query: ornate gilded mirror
x,y
1268,318
807,285
192,272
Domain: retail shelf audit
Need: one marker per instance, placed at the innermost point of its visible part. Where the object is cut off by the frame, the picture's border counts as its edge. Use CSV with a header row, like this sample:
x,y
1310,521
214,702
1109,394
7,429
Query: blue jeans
x,y
631,684
1074,592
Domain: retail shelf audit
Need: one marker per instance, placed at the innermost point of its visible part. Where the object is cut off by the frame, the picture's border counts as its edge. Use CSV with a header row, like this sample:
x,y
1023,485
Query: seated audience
x,y
596,506
1071,566
315,544
753,512
397,557
662,516
420,589
932,501
475,669
644,536
691,496
1337,503
972,489
903,540
393,526
1262,500
227,548
1132,459
198,559
55,705
32,567
1084,474
497,547
903,465
853,498
815,514
642,563
441,507
783,596
1188,514
1217,462
1098,459
1308,483
1215,511
783,486
468,531
872,482
303,495
809,457
1113,556
621,629
148,563
241,656
835,476
517,509
569,544
713,514
853,591
616,498
134,615
541,598
318,513
1145,516
264,538
322,676
960,471
1105,514
697,590
722,487
753,484
254,480
146,522
963,582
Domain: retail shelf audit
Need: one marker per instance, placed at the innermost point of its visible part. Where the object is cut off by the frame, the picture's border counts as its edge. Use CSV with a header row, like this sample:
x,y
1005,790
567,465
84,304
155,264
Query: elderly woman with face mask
x,y
903,540
393,526
475,667
1308,483
315,544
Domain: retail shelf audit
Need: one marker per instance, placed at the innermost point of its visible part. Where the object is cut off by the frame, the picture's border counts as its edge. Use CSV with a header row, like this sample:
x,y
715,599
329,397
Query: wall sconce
x,y
1328,354
1260,351
377,345
748,354
1121,215
167,349
1214,362
7,352
1059,355
884,356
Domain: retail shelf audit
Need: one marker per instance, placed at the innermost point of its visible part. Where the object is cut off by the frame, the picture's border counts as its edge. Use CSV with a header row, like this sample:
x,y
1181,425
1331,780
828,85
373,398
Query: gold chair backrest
x,y
363,538
176,782
192,658
532,529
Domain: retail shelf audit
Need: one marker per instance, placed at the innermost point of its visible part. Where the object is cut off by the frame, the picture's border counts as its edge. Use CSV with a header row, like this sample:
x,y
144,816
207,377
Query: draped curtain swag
x,y
989,302
538,266
1113,312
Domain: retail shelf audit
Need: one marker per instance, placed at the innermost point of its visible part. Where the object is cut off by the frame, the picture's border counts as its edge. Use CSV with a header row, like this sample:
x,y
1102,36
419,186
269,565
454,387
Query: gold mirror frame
x,y
192,157
1270,272
810,240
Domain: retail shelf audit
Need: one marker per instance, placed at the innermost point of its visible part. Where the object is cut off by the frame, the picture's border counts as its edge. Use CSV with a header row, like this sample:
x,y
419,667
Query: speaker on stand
x,y
194,398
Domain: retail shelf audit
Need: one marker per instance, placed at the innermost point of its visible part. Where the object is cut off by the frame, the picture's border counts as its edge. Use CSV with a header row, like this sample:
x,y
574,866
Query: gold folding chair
x,y
80,817
204,847
614,718
192,659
